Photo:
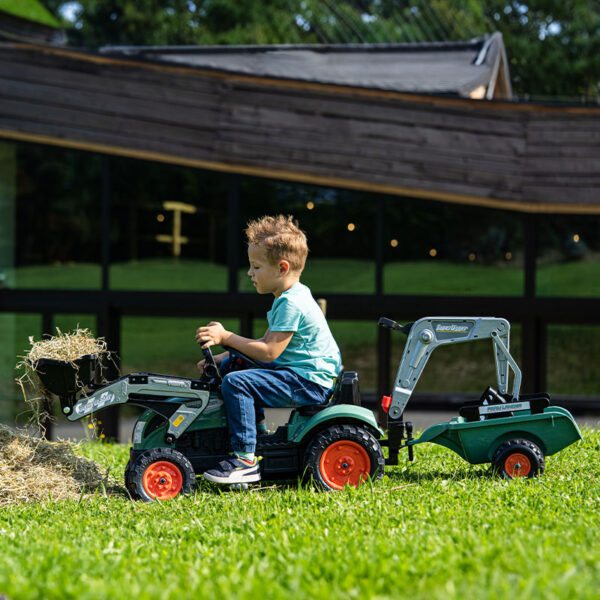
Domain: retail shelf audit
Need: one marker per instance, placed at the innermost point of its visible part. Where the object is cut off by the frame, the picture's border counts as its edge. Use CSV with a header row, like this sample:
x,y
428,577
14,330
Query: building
x,y
424,188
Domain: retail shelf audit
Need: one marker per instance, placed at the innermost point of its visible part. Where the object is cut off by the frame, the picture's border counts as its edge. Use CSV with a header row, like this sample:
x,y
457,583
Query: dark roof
x,y
448,68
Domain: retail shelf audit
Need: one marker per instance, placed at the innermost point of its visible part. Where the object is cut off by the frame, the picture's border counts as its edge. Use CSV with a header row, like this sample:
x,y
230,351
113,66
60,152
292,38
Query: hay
x,y
33,470
66,347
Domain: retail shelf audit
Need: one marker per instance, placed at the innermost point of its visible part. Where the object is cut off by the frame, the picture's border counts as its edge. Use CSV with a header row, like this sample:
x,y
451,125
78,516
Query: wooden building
x,y
426,122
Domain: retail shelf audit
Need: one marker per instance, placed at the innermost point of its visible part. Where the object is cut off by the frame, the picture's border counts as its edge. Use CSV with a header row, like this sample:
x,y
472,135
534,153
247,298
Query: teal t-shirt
x,y
312,351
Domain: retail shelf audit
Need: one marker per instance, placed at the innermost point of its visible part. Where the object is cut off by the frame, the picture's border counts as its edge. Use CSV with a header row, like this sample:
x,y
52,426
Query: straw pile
x,y
33,470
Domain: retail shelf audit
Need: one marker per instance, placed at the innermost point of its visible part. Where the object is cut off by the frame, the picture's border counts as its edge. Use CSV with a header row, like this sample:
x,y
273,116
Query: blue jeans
x,y
247,392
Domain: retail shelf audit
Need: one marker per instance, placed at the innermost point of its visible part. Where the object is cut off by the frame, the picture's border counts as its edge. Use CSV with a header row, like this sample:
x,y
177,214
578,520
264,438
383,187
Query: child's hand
x,y
212,334
218,360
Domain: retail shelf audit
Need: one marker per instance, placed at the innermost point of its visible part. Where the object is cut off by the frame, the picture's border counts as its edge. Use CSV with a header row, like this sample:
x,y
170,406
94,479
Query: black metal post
x,y
109,323
47,424
247,325
533,342
379,245
233,232
383,367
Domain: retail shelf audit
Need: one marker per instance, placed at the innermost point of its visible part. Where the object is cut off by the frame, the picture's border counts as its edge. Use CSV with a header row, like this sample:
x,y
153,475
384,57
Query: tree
x,y
553,45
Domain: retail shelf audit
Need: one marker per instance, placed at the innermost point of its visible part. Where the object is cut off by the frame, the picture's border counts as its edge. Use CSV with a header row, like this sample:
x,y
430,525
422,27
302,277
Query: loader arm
x,y
430,332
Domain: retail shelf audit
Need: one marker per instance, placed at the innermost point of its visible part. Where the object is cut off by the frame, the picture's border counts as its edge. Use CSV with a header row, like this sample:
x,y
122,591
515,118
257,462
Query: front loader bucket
x,y
64,378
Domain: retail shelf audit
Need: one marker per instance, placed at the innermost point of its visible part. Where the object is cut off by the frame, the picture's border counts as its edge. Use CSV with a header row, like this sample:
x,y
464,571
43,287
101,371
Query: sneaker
x,y
234,470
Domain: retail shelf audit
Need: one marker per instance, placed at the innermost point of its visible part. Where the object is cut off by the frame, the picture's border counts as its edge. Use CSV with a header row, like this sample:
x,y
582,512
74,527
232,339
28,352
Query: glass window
x,y
16,329
572,360
56,223
449,249
165,344
340,226
568,261
169,227
357,341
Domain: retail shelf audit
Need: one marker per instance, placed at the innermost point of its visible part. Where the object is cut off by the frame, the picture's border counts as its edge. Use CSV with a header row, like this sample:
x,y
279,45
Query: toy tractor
x,y
183,429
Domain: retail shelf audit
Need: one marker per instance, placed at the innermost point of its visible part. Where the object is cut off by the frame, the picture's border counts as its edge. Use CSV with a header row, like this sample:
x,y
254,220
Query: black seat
x,y
346,391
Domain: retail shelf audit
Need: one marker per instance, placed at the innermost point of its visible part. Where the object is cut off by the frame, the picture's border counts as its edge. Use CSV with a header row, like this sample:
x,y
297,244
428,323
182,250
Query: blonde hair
x,y
281,238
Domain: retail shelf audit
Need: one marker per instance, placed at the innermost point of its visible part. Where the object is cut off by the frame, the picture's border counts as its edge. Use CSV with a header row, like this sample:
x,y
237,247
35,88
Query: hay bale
x,y
33,470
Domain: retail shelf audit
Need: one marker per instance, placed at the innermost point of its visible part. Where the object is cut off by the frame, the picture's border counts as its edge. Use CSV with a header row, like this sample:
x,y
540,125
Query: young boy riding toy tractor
x,y
215,425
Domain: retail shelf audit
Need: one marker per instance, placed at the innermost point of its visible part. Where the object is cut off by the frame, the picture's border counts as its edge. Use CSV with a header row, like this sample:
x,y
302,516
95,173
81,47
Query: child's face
x,y
266,277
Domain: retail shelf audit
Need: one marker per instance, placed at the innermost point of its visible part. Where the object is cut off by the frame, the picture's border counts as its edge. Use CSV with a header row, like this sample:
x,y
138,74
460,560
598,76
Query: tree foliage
x,y
553,45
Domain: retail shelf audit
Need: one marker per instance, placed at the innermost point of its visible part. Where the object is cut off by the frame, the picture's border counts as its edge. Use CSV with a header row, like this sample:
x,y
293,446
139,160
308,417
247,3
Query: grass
x,y
435,529
573,279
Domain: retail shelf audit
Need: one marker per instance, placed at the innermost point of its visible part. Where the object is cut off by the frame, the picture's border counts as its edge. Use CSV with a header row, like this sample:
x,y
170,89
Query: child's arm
x,y
265,349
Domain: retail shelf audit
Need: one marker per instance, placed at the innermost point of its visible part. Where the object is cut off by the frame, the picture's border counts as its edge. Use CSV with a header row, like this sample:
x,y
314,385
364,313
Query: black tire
x,y
518,458
130,489
168,473
332,464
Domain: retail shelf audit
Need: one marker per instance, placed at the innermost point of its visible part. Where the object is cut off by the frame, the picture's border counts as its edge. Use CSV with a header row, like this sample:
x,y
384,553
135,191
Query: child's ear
x,y
284,267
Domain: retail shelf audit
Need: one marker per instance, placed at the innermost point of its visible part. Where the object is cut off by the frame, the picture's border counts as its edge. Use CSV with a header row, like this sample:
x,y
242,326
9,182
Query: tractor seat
x,y
346,391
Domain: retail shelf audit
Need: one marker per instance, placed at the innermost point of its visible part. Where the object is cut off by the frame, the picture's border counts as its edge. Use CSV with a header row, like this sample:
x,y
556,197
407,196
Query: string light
x,y
160,218
310,205
394,243
576,238
433,252
472,256
351,226
508,255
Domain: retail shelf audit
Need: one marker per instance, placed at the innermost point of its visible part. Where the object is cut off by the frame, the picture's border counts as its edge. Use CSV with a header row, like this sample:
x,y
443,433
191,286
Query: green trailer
x,y
511,431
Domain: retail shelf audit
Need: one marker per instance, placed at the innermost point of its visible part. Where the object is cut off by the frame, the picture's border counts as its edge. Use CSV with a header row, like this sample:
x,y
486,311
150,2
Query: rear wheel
x,y
160,474
518,458
343,455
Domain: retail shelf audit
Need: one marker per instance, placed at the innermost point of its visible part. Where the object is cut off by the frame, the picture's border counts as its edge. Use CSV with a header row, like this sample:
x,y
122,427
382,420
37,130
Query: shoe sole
x,y
234,478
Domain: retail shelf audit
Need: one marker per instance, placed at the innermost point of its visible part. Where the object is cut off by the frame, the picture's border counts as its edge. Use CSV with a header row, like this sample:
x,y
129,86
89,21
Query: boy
x,y
300,355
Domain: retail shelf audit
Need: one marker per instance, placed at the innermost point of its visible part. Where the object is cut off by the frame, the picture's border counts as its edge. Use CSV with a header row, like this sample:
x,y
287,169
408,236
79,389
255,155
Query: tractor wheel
x,y
343,455
129,487
518,458
160,474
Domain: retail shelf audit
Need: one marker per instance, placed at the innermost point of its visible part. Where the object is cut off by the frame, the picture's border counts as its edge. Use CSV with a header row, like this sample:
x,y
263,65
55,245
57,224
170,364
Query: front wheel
x,y
343,455
518,458
160,474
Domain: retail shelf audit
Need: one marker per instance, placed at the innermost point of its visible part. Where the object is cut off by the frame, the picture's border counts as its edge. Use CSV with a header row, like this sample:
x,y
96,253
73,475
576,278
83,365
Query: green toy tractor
x,y
183,430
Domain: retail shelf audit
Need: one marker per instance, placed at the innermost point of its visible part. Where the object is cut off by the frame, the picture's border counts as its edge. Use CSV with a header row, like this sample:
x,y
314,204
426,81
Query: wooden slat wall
x,y
503,155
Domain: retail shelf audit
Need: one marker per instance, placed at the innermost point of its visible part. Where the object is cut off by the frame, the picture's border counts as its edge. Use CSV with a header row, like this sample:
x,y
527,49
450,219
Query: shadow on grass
x,y
411,476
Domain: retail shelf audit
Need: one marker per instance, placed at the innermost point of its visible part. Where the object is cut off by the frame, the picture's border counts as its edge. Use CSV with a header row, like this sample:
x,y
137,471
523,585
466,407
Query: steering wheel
x,y
233,354
211,371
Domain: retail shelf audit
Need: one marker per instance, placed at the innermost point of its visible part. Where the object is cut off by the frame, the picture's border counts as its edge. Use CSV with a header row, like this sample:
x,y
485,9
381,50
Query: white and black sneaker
x,y
234,470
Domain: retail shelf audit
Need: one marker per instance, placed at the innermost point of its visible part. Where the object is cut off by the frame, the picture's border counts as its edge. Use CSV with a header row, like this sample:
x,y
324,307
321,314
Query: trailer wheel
x,y
518,458
343,455
160,474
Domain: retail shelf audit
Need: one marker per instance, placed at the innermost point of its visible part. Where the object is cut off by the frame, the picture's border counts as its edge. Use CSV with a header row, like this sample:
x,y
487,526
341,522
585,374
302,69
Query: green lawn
x,y
575,279
435,529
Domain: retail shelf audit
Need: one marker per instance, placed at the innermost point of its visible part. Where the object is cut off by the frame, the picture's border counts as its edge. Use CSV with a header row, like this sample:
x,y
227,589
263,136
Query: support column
x,y
109,321
8,321
233,232
379,245
383,368
534,329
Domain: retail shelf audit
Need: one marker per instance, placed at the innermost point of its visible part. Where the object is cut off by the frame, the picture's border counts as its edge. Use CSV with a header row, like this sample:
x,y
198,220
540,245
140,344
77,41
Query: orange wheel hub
x,y
517,465
162,480
344,463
